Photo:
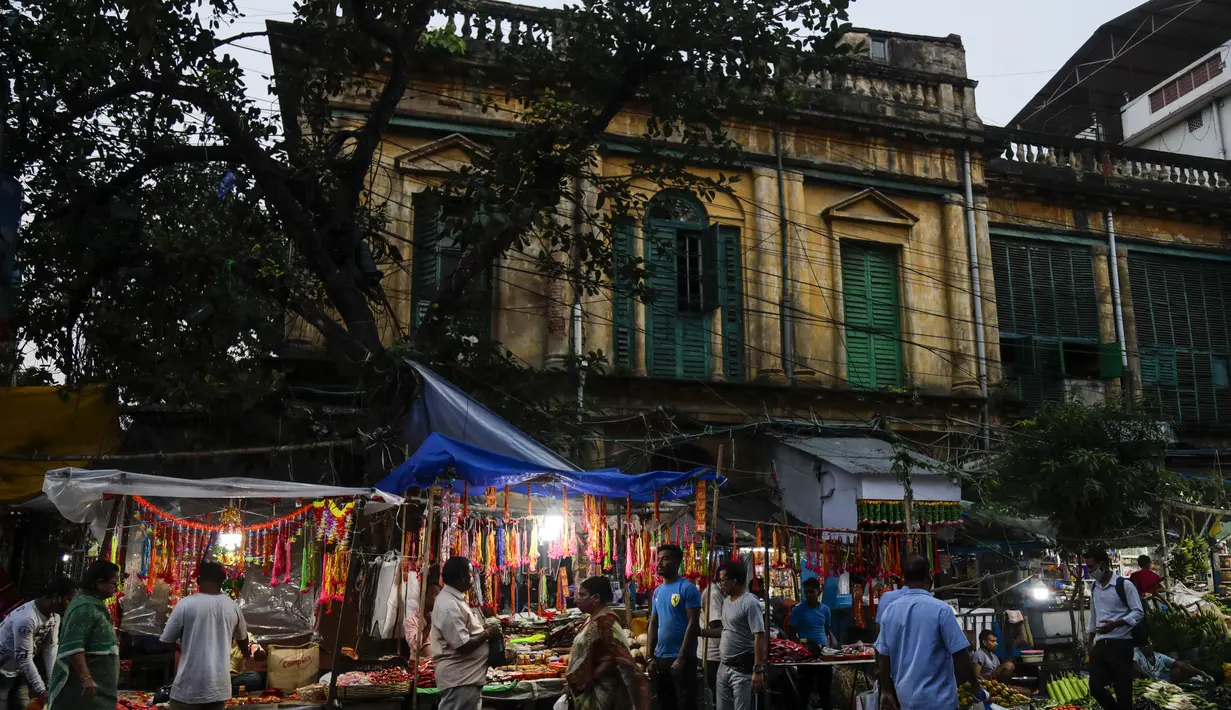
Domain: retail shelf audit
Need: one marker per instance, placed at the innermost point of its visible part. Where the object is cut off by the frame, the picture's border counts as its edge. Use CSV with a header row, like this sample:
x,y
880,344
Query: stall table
x,y
527,692
826,664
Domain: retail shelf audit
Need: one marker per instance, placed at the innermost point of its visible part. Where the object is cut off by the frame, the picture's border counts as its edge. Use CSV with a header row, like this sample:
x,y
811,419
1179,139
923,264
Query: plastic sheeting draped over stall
x,y
274,611
442,458
442,408
82,496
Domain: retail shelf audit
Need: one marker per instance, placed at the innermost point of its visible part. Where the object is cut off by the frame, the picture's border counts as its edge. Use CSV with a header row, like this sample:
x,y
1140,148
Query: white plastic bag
x,y
844,583
869,700
561,703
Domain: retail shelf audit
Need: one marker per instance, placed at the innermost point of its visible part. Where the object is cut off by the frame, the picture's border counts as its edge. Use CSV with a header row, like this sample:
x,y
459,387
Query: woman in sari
x,y
602,673
87,671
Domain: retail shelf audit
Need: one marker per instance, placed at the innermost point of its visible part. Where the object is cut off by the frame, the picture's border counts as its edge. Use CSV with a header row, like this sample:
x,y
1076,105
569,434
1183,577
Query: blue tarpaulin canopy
x,y
441,459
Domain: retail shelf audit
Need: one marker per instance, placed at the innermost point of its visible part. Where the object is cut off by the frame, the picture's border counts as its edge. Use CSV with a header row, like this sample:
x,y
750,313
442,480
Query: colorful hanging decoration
x,y
893,512
699,510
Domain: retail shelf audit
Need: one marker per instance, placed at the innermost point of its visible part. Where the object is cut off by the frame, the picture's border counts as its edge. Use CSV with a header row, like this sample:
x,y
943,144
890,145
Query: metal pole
x,y
1162,534
1219,135
709,577
1115,286
784,306
976,288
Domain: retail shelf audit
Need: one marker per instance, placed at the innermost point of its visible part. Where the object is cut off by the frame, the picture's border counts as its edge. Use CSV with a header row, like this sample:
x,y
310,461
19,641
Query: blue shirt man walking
x,y
920,647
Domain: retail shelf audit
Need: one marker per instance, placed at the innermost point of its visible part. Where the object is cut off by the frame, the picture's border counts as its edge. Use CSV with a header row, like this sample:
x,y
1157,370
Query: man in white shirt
x,y
708,649
208,623
459,641
1115,608
31,627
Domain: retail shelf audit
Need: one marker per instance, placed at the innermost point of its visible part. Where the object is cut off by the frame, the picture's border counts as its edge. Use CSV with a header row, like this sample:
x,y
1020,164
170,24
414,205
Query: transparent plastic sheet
x,y
272,613
80,495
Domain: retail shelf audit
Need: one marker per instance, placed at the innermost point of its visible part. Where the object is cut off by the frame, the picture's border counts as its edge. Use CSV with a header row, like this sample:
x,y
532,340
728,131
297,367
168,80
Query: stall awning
x,y
442,458
862,455
441,408
44,423
84,496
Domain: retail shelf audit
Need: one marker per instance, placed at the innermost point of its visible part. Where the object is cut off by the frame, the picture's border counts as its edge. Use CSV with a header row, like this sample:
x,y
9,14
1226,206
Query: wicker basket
x,y
372,692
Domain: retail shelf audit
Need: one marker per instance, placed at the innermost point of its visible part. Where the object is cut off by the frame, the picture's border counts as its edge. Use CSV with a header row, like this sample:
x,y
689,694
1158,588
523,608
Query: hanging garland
x,y
298,514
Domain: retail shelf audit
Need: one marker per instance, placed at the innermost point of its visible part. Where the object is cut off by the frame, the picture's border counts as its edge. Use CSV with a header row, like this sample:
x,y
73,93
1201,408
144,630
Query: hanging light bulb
x,y
553,527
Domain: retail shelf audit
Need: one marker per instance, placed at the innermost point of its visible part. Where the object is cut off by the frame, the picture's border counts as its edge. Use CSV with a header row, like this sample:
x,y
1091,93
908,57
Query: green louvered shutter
x,y
870,305
1183,333
425,270
731,298
678,343
623,305
661,315
694,345
1045,290
436,256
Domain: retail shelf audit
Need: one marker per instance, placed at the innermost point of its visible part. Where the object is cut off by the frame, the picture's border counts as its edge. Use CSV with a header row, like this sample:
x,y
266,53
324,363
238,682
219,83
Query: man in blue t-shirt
x,y
673,634
809,624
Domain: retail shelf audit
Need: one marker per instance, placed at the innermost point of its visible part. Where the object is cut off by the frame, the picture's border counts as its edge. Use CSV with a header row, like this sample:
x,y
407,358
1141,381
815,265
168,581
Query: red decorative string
x,y
192,525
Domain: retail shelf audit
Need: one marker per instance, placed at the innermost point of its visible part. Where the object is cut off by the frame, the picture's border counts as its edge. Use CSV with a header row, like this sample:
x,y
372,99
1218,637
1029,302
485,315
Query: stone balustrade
x,y
1009,149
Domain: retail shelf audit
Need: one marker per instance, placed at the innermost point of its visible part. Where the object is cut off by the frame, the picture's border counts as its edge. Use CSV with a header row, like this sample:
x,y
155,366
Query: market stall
x,y
286,547
532,532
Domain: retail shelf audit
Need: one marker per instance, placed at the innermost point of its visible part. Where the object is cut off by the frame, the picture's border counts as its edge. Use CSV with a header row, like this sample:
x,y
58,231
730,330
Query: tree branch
x,y
238,37
151,161
400,44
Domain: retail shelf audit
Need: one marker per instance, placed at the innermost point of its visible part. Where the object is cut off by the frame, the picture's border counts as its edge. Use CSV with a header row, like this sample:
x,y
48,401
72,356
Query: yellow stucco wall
x,y
936,322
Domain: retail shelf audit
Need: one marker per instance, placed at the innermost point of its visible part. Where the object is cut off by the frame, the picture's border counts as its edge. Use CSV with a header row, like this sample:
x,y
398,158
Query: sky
x,y
1012,46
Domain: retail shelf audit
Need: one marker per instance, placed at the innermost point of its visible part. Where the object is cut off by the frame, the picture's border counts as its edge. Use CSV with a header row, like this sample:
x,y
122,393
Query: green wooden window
x,y
870,307
1047,308
1045,290
1182,309
437,252
731,298
623,313
691,269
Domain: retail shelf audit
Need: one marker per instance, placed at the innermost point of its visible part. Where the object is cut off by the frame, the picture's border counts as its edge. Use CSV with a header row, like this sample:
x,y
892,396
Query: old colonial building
x,y
1105,242
886,263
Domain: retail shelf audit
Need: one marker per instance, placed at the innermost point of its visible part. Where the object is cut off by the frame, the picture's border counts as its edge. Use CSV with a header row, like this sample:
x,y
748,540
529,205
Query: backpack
x,y
1141,632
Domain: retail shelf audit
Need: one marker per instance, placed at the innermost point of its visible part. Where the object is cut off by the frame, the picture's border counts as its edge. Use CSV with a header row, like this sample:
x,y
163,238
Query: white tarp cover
x,y
79,494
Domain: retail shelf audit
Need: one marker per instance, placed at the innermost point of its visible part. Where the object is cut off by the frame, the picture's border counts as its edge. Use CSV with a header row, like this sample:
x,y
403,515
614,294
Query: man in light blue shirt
x,y
1115,608
920,647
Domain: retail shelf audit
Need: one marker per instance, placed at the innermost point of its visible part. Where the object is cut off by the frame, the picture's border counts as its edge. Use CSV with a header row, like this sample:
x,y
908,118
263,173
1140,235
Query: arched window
x,y
692,269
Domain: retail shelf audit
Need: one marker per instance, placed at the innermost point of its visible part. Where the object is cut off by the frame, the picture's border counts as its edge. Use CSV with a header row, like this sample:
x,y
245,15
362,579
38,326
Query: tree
x,y
171,222
1095,471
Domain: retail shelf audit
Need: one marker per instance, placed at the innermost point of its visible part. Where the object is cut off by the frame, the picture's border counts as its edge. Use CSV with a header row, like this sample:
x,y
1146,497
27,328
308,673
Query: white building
x,y
1148,78
1186,113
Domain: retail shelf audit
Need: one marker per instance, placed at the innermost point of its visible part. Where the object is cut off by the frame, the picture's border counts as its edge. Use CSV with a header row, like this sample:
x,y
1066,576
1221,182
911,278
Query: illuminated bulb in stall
x,y
1040,593
230,541
553,528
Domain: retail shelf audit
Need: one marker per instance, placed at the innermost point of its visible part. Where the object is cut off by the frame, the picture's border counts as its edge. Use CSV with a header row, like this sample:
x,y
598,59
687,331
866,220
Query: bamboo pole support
x,y
425,556
350,576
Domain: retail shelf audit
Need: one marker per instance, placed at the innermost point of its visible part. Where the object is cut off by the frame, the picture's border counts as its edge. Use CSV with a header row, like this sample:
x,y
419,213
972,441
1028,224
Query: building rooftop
x,y
1123,59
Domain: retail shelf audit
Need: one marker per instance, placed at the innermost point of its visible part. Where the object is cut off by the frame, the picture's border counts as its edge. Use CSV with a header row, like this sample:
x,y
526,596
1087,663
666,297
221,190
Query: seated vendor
x,y
250,680
987,663
1149,664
